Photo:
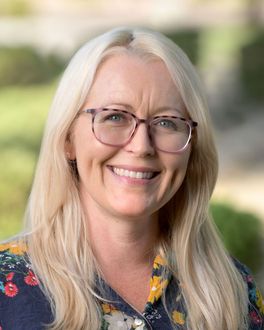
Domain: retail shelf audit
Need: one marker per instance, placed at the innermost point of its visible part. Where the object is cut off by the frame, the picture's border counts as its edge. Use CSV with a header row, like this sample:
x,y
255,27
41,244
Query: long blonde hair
x,y
56,231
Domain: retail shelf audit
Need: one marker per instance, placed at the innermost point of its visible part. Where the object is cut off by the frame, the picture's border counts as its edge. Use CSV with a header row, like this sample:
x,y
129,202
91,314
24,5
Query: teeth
x,y
133,174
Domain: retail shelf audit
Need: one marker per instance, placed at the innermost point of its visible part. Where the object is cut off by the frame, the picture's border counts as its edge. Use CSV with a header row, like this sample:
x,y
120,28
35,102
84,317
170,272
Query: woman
x,y
120,200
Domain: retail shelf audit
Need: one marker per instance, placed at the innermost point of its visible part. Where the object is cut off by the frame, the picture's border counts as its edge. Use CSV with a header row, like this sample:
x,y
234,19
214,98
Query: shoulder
x,y
256,301
22,303
15,247
15,269
13,256
13,261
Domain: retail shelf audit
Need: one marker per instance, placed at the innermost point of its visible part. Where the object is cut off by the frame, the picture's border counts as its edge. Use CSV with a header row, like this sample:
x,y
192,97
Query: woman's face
x,y
107,181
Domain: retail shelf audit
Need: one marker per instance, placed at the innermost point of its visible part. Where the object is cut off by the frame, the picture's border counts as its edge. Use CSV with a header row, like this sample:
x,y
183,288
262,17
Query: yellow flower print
x,y
178,317
157,286
107,308
260,302
159,261
14,248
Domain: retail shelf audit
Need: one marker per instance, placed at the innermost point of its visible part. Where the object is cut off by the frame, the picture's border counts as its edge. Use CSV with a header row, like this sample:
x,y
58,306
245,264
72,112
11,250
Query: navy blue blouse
x,y
23,306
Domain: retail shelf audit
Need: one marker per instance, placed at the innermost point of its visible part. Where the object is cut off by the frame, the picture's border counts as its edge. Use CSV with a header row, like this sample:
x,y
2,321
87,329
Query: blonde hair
x,y
58,245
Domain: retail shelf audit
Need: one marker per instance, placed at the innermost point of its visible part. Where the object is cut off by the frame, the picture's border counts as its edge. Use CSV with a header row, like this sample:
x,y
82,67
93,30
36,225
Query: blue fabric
x,y
24,307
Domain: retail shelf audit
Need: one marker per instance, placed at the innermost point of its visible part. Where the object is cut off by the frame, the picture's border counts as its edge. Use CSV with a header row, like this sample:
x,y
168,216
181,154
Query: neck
x,y
122,242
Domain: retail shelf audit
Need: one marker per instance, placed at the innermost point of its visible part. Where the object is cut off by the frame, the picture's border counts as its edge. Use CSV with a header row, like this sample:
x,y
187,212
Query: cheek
x,y
91,156
84,142
178,165
176,171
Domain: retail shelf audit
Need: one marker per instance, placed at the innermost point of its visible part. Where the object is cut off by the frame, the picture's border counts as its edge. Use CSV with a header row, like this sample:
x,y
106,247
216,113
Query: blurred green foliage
x,y
188,40
252,66
24,65
241,44
22,114
242,234
15,8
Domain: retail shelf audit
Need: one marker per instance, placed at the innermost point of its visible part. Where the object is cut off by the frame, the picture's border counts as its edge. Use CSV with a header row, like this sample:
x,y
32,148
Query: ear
x,y
69,149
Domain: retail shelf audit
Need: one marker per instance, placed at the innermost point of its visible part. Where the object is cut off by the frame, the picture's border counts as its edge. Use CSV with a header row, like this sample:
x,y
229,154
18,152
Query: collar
x,y
159,279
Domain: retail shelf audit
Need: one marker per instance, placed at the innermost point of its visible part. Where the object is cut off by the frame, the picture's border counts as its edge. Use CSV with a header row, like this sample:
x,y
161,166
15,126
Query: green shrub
x,y
241,233
23,66
252,67
188,40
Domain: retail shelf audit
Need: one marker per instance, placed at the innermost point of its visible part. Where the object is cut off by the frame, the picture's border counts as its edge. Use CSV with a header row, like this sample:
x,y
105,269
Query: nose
x,y
141,144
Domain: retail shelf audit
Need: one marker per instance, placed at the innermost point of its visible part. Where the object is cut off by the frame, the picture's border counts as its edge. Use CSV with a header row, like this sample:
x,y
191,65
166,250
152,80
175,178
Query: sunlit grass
x,y
23,111
22,114
15,8
223,43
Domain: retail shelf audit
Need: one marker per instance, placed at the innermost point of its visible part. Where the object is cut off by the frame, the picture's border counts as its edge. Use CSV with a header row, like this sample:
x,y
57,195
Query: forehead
x,y
128,77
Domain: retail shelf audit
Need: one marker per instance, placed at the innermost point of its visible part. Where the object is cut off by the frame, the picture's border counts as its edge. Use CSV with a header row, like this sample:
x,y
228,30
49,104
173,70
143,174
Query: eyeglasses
x,y
116,128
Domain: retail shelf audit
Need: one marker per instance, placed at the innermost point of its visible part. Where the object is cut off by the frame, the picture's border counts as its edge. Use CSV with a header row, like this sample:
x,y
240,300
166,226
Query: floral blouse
x,y
23,306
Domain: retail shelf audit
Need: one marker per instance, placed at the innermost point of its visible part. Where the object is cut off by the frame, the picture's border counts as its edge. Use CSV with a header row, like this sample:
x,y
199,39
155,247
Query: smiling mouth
x,y
134,174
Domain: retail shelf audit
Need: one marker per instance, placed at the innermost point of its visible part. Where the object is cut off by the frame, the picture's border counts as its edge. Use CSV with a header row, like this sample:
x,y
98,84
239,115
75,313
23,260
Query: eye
x,y
112,117
167,124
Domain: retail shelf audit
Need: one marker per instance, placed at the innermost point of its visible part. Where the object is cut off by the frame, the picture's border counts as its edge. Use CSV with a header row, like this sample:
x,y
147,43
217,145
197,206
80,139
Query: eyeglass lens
x,y
115,128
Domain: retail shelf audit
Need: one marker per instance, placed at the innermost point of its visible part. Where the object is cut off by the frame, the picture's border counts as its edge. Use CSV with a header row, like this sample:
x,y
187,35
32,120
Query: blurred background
x,y
225,41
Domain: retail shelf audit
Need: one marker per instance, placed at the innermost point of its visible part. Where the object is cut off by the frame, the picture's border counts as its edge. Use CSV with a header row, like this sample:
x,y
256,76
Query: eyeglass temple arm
x,y
92,111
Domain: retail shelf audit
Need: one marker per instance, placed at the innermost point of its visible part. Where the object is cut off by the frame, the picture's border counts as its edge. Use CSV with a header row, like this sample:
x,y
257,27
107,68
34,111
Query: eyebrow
x,y
119,104
167,108
129,108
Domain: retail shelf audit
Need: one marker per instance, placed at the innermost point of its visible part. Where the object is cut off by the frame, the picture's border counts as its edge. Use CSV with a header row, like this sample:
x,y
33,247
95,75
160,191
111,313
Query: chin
x,y
133,211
